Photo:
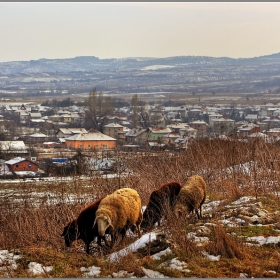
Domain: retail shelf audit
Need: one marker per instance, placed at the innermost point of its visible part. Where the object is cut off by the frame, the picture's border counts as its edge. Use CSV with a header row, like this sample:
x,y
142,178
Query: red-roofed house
x,y
21,164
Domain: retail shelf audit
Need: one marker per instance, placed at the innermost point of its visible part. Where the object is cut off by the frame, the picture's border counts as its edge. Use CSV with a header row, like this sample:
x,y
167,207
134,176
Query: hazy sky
x,y
138,29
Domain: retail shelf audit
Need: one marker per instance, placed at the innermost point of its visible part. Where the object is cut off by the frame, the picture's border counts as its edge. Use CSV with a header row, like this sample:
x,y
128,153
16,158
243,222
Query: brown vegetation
x,y
32,225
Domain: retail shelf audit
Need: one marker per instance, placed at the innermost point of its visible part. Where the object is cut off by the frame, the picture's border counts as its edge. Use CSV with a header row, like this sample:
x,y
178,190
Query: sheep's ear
x,y
94,223
110,222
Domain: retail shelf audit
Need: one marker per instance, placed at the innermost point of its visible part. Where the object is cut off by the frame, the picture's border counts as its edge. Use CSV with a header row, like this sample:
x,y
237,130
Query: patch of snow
x,y
140,243
90,271
209,207
197,239
153,274
228,223
211,257
158,255
176,264
264,240
38,269
243,200
8,262
122,274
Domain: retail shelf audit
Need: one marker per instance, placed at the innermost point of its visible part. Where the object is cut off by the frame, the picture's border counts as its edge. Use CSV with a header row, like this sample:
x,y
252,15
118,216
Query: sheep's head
x,y
70,233
103,222
180,210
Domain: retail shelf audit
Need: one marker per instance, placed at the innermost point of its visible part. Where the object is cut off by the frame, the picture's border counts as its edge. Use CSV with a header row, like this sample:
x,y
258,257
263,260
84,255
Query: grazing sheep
x,y
160,200
81,228
191,197
118,212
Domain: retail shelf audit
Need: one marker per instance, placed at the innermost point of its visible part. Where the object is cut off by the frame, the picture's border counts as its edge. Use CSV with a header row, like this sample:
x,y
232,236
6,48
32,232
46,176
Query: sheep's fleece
x,y
120,210
191,197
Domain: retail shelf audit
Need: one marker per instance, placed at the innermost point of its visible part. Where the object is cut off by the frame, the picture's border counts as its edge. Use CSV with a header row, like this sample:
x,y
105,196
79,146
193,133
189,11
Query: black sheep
x,y
160,200
81,228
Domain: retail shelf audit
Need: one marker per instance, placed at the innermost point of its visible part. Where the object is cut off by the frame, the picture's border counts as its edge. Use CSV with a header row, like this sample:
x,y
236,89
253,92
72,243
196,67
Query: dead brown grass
x,y
224,245
30,225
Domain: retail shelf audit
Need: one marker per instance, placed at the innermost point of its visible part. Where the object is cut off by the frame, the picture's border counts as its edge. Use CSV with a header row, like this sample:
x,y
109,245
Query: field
x,y
33,215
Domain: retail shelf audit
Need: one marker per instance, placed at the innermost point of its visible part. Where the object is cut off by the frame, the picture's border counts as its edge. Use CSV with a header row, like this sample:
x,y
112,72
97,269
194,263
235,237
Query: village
x,y
33,136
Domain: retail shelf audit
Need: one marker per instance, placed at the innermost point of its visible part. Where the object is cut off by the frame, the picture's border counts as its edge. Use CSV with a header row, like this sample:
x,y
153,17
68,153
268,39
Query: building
x,y
221,125
115,130
245,130
200,126
15,148
91,140
21,164
137,136
67,132
156,133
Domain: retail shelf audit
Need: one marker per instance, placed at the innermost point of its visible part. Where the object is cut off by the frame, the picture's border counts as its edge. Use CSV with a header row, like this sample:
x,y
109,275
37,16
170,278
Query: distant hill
x,y
93,63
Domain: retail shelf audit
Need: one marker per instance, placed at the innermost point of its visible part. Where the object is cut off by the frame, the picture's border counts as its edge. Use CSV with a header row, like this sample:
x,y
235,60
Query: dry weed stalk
x,y
223,244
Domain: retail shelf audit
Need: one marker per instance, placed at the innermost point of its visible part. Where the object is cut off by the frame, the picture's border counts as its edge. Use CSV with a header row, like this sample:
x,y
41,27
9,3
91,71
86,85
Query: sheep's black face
x,y
70,234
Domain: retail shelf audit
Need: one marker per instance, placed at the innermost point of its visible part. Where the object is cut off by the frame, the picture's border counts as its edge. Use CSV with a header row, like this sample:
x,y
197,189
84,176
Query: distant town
x,y
31,134
53,111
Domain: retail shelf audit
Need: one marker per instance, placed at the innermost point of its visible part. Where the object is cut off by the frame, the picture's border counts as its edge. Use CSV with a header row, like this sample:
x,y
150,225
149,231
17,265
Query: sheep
x,y
160,199
118,212
191,197
81,227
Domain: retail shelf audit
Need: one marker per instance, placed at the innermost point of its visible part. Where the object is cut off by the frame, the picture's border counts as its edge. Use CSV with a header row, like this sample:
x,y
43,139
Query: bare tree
x,y
99,107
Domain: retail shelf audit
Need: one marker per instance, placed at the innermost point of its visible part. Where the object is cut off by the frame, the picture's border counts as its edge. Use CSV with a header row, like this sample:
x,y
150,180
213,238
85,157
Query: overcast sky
x,y
158,29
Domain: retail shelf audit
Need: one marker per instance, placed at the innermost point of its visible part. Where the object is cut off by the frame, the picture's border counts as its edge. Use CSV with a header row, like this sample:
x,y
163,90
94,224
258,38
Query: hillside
x,y
237,237
92,63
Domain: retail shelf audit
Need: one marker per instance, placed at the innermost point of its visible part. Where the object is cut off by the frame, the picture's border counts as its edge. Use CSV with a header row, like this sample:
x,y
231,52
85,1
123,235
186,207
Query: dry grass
x,y
33,226
224,245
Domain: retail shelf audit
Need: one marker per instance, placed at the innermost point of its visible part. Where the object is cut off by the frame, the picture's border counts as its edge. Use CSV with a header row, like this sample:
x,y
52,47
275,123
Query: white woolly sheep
x,y
118,212
191,197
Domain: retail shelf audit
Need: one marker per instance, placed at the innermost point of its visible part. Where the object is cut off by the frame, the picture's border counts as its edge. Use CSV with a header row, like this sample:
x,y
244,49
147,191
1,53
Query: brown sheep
x,y
160,200
81,228
191,197
118,212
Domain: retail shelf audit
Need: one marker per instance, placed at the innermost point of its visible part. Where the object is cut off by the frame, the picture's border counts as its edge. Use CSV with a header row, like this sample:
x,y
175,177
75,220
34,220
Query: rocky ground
x,y
245,218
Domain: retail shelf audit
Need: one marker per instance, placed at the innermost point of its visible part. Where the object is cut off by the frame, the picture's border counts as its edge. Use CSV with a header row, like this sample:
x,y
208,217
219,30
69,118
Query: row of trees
x,y
100,106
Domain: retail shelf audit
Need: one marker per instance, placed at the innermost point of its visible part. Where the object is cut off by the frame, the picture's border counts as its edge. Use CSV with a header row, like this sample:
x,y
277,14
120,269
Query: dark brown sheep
x,y
81,228
160,200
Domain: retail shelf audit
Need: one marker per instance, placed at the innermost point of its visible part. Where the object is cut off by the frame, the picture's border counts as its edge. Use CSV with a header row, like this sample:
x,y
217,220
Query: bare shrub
x,y
223,244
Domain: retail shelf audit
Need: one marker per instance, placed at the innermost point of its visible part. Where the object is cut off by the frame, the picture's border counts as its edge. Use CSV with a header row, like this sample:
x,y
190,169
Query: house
x,y
156,133
77,118
245,130
114,130
251,117
169,139
200,126
67,132
137,136
4,169
183,142
90,140
24,116
13,147
66,118
221,125
36,115
21,164
273,132
37,138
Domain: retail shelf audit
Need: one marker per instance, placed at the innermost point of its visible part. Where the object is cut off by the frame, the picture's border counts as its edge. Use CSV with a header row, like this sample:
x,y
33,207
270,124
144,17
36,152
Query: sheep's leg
x,y
200,210
197,213
138,223
87,247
